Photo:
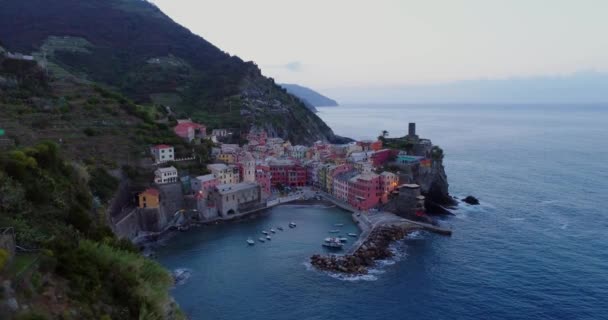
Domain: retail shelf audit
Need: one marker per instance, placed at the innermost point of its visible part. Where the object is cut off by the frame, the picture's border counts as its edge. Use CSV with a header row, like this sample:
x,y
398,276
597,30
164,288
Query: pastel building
x,y
204,183
364,191
165,175
226,158
149,199
341,185
225,174
188,130
263,177
287,173
162,153
388,182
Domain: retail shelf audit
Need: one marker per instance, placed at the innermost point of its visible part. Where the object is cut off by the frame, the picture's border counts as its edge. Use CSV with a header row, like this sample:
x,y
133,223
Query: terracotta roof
x,y
182,128
151,191
162,146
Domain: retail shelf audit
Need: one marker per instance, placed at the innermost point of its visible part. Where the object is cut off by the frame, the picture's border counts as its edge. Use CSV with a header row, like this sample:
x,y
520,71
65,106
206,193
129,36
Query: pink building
x,y
364,191
204,183
380,157
189,130
263,177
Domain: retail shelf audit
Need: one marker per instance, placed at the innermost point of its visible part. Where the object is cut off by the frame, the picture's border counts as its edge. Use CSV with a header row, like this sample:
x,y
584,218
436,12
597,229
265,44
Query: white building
x,y
163,153
165,175
225,174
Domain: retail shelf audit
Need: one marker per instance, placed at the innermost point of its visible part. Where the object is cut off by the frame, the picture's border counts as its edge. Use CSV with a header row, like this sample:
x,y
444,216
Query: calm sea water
x,y
537,246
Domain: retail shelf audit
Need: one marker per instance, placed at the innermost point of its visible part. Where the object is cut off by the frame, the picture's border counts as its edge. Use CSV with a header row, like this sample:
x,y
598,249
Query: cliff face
x,y
265,105
434,185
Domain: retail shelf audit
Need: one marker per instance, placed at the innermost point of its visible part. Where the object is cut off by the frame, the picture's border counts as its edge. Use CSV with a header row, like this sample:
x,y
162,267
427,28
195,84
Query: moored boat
x,y
280,228
342,239
268,238
339,225
272,230
334,231
352,234
261,239
264,232
292,224
250,242
333,244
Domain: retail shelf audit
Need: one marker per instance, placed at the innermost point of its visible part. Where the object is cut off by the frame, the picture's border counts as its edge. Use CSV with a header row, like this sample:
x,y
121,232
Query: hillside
x,y
309,96
132,47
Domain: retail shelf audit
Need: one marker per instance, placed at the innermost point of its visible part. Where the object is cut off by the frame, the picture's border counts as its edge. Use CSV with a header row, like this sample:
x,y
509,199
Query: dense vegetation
x,y
48,203
132,47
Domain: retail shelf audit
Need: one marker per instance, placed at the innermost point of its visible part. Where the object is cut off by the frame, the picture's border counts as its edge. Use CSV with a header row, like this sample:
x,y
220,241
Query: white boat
x,y
261,239
280,228
352,234
343,239
333,244
339,225
334,231
292,224
264,232
251,242
272,230
268,238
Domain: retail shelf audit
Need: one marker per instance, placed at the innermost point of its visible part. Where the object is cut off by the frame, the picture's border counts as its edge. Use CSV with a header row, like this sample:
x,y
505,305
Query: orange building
x,y
149,198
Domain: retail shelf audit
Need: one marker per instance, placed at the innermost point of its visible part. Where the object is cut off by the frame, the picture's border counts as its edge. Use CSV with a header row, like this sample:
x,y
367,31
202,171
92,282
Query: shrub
x,y
89,132
3,258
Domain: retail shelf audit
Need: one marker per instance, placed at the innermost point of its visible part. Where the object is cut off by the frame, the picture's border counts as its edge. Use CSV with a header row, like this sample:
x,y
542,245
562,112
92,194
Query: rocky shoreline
x,y
376,247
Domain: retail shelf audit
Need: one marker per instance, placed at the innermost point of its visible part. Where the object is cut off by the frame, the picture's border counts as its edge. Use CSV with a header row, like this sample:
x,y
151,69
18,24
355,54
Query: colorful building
x,y
287,173
228,158
149,199
204,183
188,130
162,153
263,177
225,174
388,182
364,191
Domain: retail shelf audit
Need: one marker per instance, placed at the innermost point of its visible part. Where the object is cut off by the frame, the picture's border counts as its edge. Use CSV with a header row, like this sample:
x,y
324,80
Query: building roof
x,y
161,146
205,178
230,188
152,192
168,169
183,128
217,166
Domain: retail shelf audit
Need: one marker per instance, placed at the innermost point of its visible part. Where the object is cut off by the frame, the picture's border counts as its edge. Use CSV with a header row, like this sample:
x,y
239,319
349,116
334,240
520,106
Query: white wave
x,y
181,275
564,226
417,234
348,277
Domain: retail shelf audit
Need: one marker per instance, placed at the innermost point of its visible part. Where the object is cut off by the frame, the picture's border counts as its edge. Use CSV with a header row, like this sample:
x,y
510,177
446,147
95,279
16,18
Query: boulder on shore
x,y
471,200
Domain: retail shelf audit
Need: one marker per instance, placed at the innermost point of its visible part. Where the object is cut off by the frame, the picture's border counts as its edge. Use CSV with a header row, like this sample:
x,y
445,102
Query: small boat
x,y
334,231
343,239
272,230
292,224
329,239
333,244
261,239
339,225
250,242
280,228
352,234
268,238
265,232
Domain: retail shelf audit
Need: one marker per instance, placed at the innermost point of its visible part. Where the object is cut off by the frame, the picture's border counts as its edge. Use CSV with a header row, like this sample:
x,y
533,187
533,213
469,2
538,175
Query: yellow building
x,y
149,198
226,158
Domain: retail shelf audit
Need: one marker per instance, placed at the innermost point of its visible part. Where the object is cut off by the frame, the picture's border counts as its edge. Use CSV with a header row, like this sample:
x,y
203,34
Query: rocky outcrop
x,y
267,106
471,200
376,247
434,185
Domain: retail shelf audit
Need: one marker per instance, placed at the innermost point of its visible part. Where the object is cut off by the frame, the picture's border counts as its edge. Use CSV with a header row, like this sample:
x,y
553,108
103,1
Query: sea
x,y
535,248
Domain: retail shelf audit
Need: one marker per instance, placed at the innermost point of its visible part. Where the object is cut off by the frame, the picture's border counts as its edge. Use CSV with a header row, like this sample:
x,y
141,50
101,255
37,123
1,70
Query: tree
x,y
384,133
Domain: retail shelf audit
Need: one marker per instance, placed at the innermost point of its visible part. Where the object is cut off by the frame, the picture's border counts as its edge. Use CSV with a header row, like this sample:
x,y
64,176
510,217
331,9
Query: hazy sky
x,y
335,43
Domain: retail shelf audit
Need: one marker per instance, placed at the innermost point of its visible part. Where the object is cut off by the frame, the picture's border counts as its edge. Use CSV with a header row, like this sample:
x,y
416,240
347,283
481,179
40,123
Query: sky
x,y
333,45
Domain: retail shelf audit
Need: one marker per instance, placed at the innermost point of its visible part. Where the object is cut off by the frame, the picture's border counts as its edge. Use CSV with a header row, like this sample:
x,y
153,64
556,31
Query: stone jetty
x,y
376,247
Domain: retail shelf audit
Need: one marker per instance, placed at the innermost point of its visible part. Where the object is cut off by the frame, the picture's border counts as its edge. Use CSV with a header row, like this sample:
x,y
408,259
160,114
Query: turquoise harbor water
x,y
537,247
